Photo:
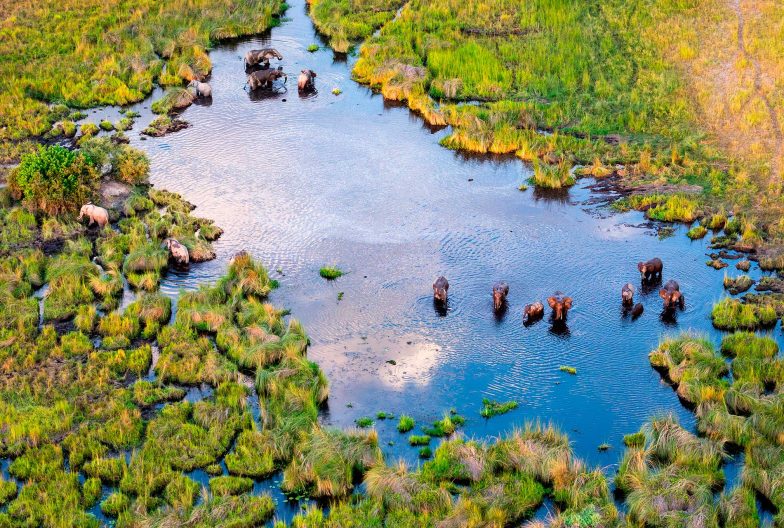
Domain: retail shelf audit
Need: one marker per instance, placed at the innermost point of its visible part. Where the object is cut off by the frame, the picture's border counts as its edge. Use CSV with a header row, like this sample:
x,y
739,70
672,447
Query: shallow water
x,y
303,182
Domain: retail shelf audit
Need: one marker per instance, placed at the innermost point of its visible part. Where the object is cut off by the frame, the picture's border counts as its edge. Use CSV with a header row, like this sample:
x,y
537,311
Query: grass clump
x,y
419,440
738,284
732,314
405,423
331,272
548,176
115,504
227,485
364,422
567,369
697,232
634,439
492,408
313,48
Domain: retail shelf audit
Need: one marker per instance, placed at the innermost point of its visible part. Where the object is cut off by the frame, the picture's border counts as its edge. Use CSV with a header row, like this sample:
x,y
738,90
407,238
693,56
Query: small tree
x,y
54,180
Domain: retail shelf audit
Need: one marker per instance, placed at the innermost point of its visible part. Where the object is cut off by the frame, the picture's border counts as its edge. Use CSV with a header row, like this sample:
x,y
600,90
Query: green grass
x,y
732,314
331,272
737,284
492,408
567,369
548,176
364,422
697,232
419,440
405,423
313,48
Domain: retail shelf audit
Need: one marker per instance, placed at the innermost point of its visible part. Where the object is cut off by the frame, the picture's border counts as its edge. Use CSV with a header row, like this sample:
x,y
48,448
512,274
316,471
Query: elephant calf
x,y
440,289
533,312
264,78
177,251
560,306
305,80
97,215
202,89
671,293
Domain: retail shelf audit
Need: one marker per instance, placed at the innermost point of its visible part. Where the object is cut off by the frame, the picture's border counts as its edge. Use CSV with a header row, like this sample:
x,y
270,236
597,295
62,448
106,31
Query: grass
x,y
419,440
405,423
492,408
331,272
313,48
739,284
364,422
697,232
732,314
548,176
567,369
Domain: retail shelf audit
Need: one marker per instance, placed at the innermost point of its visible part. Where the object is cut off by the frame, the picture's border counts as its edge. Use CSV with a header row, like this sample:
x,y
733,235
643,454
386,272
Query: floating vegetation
x,y
313,48
739,284
697,232
331,272
419,440
405,423
364,422
567,369
549,176
492,408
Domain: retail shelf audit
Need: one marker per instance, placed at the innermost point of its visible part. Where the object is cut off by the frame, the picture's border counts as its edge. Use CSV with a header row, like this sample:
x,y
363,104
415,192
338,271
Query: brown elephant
x,y
440,289
177,251
671,293
627,294
265,78
651,269
305,80
533,312
97,215
500,291
254,57
637,310
560,306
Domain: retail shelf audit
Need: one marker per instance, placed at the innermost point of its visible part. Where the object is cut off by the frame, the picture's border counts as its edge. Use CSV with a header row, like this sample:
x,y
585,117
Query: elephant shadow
x,y
668,317
559,328
441,308
262,94
500,314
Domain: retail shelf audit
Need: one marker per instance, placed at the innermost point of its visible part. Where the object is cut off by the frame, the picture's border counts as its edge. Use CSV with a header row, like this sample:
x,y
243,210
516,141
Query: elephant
x,y
254,57
96,214
671,293
651,269
560,305
500,291
627,294
637,310
533,312
440,289
305,80
202,89
265,78
177,251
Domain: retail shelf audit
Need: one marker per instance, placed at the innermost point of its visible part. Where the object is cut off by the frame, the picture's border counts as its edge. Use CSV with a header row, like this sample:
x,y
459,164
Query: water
x,y
307,181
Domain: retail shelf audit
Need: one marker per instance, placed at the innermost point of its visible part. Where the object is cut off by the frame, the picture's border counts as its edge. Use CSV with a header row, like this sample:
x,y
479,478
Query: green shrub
x,y
106,125
132,165
54,180
331,272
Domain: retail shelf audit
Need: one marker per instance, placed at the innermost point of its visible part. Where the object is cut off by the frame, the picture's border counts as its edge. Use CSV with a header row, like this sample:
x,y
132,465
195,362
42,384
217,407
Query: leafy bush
x,y
132,165
54,180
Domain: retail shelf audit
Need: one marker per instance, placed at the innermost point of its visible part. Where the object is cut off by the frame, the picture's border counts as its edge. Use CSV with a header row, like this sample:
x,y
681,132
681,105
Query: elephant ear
x,y
663,293
639,266
567,303
552,302
676,296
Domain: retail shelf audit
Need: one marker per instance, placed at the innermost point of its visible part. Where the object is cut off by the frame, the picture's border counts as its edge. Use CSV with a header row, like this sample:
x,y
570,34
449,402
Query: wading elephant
x,y
202,89
254,57
637,310
560,306
651,269
305,80
97,215
177,251
440,289
533,312
671,293
265,78
500,291
627,294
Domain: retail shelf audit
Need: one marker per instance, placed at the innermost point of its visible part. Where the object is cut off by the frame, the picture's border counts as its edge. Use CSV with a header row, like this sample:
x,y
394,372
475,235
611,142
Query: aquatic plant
x,y
697,232
492,408
405,423
567,369
330,272
732,314
313,47
227,485
549,176
418,440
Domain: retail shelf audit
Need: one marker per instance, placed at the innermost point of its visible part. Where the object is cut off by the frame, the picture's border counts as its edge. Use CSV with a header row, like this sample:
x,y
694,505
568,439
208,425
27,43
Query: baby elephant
x,y
97,215
627,294
560,305
254,57
637,310
177,251
671,293
305,80
651,269
440,289
202,89
500,291
533,312
264,78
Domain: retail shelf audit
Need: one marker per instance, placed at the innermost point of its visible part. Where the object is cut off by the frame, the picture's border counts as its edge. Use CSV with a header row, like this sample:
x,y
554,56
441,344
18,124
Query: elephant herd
x,y
261,76
650,275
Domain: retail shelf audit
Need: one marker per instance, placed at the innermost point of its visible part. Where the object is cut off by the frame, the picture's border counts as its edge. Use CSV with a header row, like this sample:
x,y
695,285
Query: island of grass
x,y
331,272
